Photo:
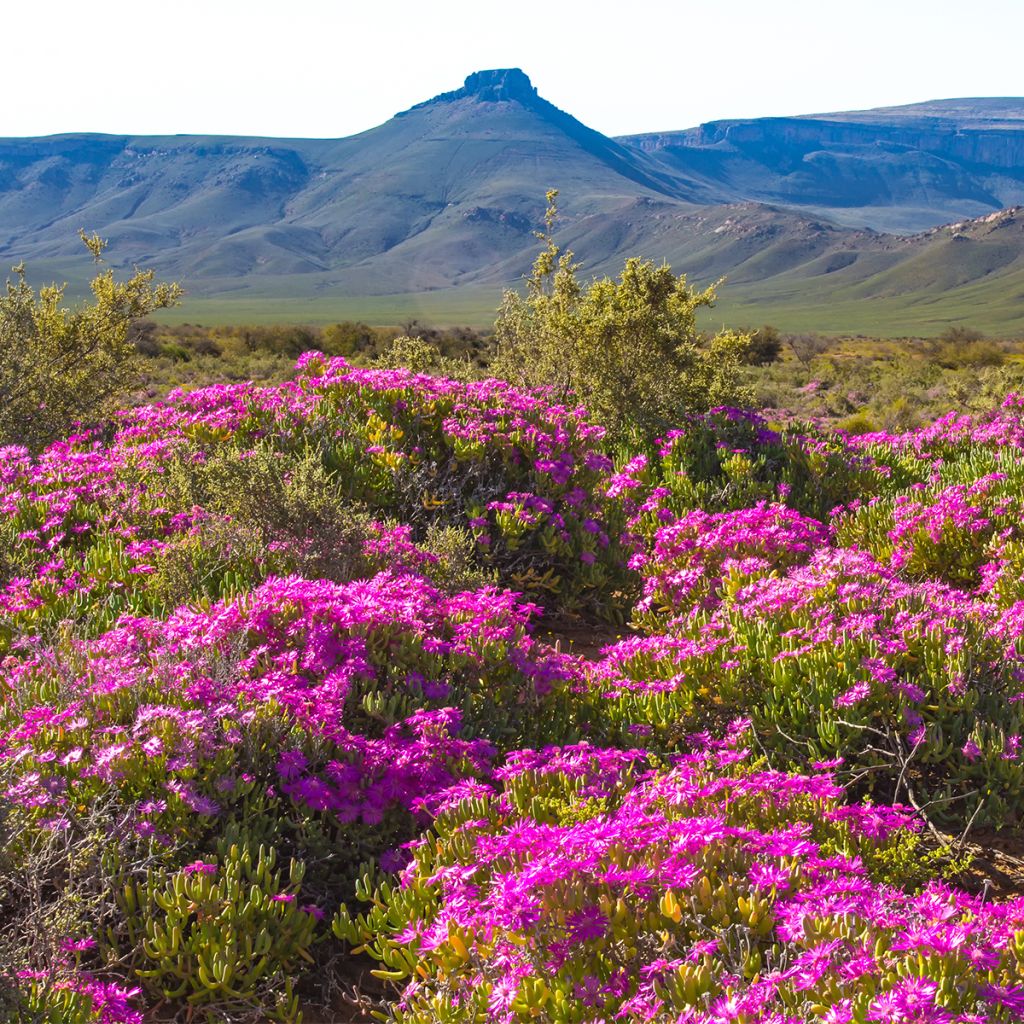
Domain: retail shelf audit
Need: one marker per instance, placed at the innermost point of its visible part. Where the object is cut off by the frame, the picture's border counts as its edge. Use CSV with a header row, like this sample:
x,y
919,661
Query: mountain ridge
x,y
897,169
445,198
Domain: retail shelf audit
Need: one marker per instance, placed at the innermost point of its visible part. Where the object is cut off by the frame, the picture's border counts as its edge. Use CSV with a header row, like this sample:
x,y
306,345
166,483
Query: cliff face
x,y
900,169
795,136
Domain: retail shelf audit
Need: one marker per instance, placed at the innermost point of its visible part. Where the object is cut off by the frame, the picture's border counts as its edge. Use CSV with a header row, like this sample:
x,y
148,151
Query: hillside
x,y
434,211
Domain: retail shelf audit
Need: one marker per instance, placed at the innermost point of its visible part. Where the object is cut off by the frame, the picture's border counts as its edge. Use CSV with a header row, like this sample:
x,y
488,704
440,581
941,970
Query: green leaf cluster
x,y
230,938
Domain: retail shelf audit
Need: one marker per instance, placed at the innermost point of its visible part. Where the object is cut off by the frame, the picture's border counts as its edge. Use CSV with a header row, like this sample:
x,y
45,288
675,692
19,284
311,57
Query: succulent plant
x,y
228,933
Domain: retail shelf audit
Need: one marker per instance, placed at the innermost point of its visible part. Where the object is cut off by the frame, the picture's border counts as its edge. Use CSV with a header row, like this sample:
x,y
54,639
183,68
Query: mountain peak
x,y
499,84
494,86
513,85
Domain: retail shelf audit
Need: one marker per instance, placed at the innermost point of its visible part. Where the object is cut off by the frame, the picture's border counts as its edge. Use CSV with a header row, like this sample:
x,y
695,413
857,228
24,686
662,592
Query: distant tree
x,y
410,353
960,347
421,356
807,347
142,334
349,338
765,346
282,339
207,346
61,366
958,334
629,350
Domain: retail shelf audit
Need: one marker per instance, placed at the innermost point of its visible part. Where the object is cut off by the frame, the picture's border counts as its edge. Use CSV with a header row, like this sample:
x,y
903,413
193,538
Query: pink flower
x,y
971,750
199,867
854,695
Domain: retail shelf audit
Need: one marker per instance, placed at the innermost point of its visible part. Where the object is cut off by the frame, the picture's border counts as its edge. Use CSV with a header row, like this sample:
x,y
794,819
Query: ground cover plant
x,y
277,730
709,892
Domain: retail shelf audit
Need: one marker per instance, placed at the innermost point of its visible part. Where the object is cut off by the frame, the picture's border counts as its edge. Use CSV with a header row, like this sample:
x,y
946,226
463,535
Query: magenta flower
x,y
199,867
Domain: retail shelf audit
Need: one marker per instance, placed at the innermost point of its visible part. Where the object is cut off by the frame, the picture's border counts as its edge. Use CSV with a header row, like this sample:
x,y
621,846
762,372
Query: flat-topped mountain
x,y
443,190
447,195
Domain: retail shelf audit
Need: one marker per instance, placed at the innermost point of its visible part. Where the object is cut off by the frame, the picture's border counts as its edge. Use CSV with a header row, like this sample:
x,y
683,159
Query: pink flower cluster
x,y
859,601
156,704
706,894
691,555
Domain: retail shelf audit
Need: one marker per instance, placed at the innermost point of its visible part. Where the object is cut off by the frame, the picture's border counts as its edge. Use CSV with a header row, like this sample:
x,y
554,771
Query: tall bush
x,y
59,366
628,350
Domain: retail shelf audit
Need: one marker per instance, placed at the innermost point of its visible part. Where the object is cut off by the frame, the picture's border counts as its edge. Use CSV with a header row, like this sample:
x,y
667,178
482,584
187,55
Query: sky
x,y
319,69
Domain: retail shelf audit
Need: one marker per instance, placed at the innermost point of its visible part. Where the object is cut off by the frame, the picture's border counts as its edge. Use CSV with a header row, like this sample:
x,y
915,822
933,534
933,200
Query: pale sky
x,y
329,68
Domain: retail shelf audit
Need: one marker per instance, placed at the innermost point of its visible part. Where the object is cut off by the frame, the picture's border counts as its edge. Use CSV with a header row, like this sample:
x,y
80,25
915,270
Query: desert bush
x,y
454,564
808,347
973,353
413,354
421,356
628,350
858,423
216,558
960,334
349,339
299,512
60,366
764,347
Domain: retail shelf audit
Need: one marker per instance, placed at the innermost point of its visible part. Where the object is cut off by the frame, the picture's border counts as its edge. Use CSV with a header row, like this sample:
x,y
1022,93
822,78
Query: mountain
x,y
434,211
894,169
439,193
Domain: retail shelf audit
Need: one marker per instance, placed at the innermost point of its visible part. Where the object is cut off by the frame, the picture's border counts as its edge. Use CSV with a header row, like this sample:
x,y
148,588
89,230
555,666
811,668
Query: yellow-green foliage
x,y
422,356
45,1002
226,935
59,366
629,350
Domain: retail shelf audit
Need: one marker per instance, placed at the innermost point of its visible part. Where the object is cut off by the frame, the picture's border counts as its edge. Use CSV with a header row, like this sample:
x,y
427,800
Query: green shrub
x,y
964,348
222,936
60,366
457,566
296,511
422,356
765,346
629,350
858,423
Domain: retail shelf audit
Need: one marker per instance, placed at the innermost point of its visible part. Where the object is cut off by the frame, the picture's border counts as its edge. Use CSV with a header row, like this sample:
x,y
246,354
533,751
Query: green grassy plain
x,y
997,309
462,307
